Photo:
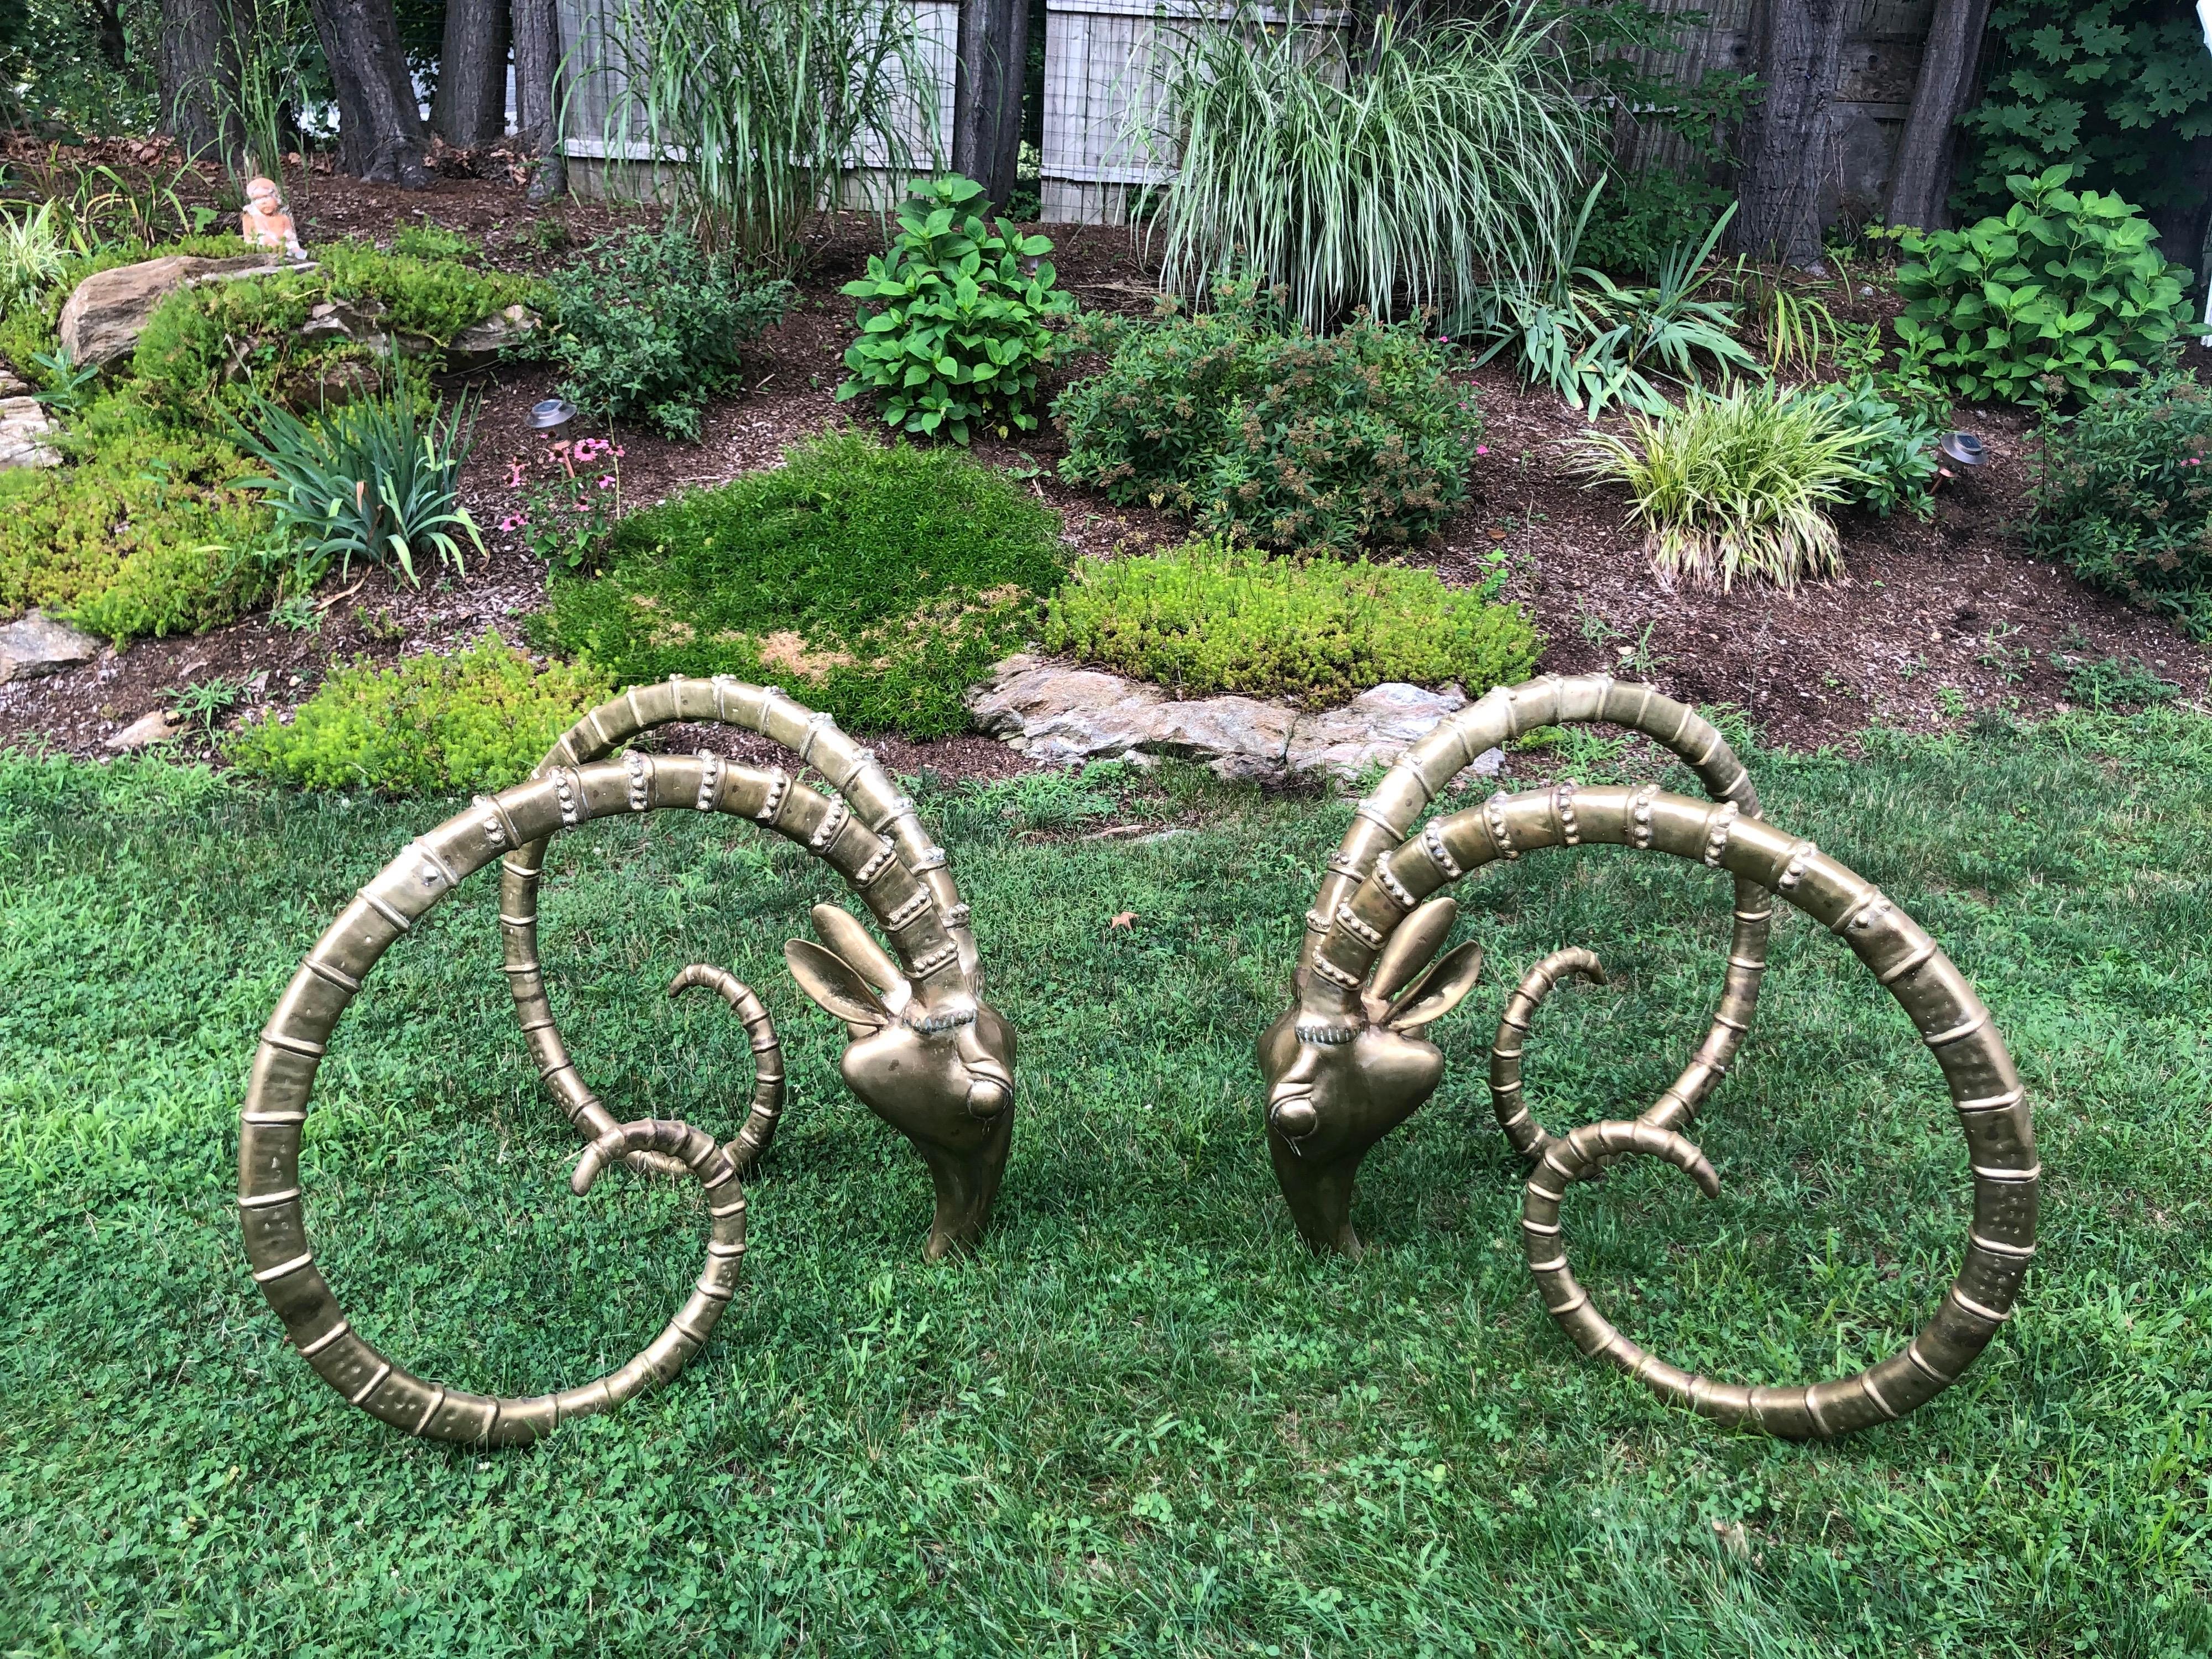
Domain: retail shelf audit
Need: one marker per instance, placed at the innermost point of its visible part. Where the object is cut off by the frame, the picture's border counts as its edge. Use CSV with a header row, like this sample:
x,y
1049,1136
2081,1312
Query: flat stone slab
x,y
34,645
1063,714
157,725
108,312
25,428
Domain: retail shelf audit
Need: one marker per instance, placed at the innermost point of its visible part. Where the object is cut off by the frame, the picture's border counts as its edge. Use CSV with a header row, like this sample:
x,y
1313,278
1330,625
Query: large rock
x,y
35,645
25,426
479,345
157,725
104,318
1062,715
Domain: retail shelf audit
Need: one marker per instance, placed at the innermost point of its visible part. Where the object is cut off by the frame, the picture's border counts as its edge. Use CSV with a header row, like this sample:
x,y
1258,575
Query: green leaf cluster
x,y
1211,617
2119,89
2060,297
2123,497
480,719
876,583
952,330
145,531
1259,430
646,327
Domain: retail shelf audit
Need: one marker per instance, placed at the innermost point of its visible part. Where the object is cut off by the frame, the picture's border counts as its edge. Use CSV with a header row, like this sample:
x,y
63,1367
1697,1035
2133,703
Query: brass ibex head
x,y
1338,1083
940,1070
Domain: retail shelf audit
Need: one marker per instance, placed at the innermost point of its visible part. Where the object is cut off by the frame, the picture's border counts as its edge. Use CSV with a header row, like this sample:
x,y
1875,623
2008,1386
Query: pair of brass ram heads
x,y
1345,1064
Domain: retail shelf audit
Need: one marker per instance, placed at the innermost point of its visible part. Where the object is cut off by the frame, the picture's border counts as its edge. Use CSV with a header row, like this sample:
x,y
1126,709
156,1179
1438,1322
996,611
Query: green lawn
x,y
1143,1420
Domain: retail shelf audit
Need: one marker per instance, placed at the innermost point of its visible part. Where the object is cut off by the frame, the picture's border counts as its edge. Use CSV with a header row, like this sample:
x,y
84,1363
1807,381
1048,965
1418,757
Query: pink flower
x,y
583,506
607,482
619,452
1482,449
513,521
515,475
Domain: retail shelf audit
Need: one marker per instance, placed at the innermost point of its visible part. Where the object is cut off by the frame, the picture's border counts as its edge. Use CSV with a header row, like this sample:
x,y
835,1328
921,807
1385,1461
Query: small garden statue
x,y
266,222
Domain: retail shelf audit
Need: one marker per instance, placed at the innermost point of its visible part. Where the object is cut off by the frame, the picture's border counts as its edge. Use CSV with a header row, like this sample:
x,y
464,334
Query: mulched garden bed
x,y
1935,623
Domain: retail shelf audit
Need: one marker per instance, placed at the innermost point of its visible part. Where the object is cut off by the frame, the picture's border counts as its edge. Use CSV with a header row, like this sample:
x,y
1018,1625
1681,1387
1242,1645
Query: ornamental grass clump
x,y
1244,420
1387,179
1736,483
1209,616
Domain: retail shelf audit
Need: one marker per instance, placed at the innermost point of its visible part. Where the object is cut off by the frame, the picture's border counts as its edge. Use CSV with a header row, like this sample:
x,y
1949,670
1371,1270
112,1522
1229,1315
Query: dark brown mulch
x,y
1933,624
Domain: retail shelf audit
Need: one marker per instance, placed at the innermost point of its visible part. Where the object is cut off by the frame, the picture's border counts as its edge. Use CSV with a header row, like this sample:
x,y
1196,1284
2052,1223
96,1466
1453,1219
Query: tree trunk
x,y
470,107
1920,179
1789,147
537,28
113,47
380,134
197,72
993,65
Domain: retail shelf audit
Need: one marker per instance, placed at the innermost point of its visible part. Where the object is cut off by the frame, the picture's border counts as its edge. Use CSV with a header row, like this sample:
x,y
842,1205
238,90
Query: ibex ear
x,y
842,931
1417,939
834,984
1438,992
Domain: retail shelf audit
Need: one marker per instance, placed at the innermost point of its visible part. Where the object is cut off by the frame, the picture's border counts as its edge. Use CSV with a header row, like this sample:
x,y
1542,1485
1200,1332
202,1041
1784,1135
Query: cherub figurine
x,y
266,223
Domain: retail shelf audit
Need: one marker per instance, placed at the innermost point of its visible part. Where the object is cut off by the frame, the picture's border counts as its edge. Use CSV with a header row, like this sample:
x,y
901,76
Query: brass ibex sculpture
x,y
926,1052
1347,1063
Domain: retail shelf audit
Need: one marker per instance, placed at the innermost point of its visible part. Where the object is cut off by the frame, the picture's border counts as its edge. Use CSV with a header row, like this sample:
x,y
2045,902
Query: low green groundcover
x,y
478,719
875,583
1208,617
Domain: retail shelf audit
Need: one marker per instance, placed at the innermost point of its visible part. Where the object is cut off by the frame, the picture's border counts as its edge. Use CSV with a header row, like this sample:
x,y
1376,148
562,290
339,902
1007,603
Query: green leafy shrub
x,y
429,241
1736,483
367,480
2122,499
145,531
646,327
2063,296
210,351
1209,616
1647,215
878,584
1256,427
2119,89
1896,458
478,719
952,330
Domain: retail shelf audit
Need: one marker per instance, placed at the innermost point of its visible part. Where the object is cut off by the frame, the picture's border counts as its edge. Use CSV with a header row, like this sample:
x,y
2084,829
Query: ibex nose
x,y
1293,1115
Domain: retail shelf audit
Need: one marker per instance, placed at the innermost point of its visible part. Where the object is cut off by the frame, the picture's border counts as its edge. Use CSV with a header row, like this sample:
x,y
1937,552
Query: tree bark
x,y
1920,179
381,133
537,95
470,107
992,68
196,72
1797,48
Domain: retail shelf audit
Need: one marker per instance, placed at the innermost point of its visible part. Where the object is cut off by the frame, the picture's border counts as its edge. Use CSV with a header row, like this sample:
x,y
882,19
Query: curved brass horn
x,y
298,1034
940,1069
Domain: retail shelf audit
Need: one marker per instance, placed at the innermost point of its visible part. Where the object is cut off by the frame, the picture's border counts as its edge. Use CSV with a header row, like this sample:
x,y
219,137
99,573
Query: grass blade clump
x,y
371,480
755,111
1208,617
876,583
1387,182
1736,483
